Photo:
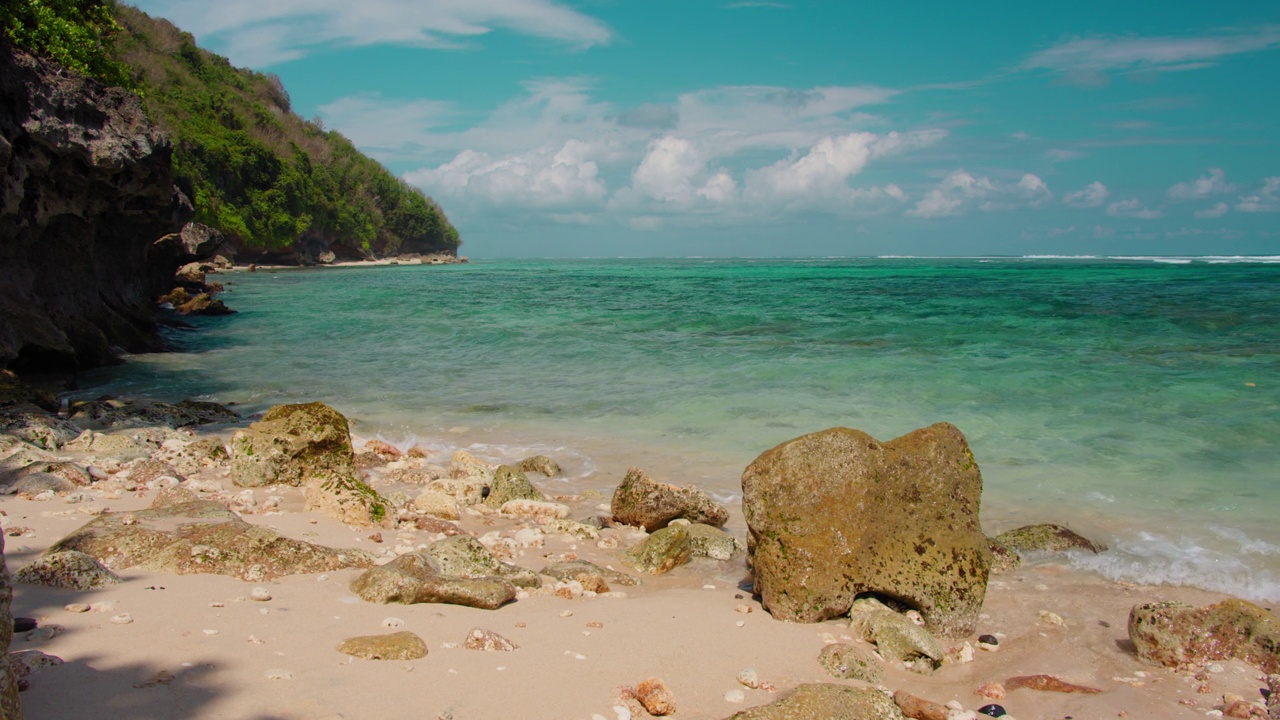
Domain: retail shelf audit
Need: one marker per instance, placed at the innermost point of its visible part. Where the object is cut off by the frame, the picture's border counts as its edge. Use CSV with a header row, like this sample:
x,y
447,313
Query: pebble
x,y
210,632
574,655
566,613
992,710
448,646
656,698
279,675
392,622
260,594
1052,618
43,633
741,623
78,607
735,696
749,678
744,609
122,619
993,691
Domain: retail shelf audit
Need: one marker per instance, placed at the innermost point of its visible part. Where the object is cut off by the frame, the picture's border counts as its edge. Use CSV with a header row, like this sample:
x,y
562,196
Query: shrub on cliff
x,y
75,33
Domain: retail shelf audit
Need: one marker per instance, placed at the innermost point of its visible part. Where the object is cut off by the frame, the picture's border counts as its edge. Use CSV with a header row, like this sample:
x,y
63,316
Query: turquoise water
x,y
1138,401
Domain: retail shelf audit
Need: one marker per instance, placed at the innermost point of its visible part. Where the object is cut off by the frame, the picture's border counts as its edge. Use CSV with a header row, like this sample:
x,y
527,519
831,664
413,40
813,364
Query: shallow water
x,y
1134,399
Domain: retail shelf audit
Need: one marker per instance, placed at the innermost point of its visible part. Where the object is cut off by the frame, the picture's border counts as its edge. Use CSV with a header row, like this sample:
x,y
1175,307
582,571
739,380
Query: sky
x,y
757,128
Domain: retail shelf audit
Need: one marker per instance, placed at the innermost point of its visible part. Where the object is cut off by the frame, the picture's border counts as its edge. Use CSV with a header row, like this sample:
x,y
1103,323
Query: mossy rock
x,y
895,636
662,551
464,556
351,501
539,464
850,662
510,484
411,579
291,445
402,645
642,501
829,702
1047,537
1177,635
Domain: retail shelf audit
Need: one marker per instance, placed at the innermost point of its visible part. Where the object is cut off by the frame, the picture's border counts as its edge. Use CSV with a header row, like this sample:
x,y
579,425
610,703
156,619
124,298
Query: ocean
x,y
1136,400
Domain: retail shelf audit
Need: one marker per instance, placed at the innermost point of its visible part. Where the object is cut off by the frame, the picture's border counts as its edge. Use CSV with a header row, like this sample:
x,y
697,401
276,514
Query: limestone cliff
x,y
87,189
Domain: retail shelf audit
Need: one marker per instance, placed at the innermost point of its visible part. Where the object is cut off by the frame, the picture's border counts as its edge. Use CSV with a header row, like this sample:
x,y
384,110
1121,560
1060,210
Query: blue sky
x,y
691,127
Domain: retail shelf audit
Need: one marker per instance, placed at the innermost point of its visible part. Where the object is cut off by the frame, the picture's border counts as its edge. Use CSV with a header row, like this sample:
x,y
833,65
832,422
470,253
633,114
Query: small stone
x,y
566,613
42,634
992,710
735,696
209,631
260,594
488,641
392,622
749,678
1052,618
279,675
122,619
992,691
655,697
741,623
988,640
396,646
77,607
744,609
921,709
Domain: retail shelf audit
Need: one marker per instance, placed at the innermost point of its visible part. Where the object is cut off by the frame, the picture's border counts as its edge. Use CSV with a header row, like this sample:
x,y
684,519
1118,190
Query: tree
x,y
74,33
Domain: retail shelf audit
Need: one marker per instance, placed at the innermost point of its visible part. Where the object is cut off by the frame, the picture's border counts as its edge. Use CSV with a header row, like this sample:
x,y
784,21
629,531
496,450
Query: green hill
x,y
279,186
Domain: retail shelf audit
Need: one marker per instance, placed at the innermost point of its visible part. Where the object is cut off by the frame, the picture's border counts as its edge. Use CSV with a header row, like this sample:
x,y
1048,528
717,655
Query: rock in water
x,y
641,500
838,513
395,646
829,702
667,548
290,445
10,706
511,484
539,464
1174,634
1047,537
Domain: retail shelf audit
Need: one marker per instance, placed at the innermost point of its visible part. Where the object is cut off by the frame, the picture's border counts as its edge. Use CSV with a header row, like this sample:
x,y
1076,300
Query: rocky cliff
x,y
87,190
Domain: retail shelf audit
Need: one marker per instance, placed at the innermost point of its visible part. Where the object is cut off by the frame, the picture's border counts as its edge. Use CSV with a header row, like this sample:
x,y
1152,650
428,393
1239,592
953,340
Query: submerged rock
x,y
1175,635
838,513
183,535
829,702
539,464
411,579
641,500
895,636
394,646
1047,537
662,551
67,570
291,445
511,484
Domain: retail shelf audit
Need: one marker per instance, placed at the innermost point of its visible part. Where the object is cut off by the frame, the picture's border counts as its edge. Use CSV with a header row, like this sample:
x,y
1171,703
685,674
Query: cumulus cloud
x,y
258,33
1093,195
1266,199
1132,209
1085,57
563,178
1202,187
670,171
1216,211
960,191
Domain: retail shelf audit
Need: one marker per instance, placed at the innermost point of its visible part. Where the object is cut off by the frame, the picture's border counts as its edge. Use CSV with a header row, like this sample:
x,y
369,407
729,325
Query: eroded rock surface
x,y
1175,634
393,646
411,579
829,702
641,500
1047,537
837,513
291,444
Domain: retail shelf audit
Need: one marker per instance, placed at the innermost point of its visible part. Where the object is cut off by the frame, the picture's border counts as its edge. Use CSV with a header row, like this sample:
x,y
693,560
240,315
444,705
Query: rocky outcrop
x,y
838,513
87,189
411,579
641,500
10,706
1176,635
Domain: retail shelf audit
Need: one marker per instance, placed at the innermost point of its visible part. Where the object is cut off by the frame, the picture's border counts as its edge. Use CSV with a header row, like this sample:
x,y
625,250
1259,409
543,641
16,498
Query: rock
x,y
582,531
467,491
511,484
665,549
641,500
829,702
194,242
38,482
837,513
37,427
395,646
123,445
991,691
191,274
146,471
1176,635
68,471
292,444
463,556
10,706
68,570
655,697
117,414
534,509
1047,538
30,662
384,450
411,579
436,525
183,535
539,464
919,708
488,641
87,187
204,304
1242,709
576,569
15,392
850,662
1047,683
343,497
895,636
1003,558
260,594
711,542
465,465
1273,696
436,504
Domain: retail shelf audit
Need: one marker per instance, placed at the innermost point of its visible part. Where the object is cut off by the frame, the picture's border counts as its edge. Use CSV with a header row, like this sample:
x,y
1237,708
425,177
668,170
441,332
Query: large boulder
x,y
641,500
411,579
183,535
829,702
838,513
291,444
895,636
10,705
1176,635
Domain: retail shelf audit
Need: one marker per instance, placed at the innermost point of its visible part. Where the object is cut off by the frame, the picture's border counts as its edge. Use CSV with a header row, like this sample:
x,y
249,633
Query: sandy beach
x,y
198,646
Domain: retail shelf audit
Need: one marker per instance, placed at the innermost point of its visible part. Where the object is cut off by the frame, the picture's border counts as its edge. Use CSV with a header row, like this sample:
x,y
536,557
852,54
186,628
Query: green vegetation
x,y
260,173
75,33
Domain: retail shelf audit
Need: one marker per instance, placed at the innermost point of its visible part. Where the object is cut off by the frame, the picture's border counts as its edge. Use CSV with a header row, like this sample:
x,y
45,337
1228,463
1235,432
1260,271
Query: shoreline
x,y
576,655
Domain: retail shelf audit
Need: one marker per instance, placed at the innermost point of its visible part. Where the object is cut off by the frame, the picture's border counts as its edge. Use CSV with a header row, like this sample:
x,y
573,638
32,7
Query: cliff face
x,y
87,189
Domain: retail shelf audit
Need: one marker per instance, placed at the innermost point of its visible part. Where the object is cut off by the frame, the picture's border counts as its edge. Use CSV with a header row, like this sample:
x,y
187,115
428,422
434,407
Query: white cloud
x,y
1216,211
960,191
543,178
1265,200
1161,54
263,32
1093,195
1060,155
823,171
1202,187
1132,209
